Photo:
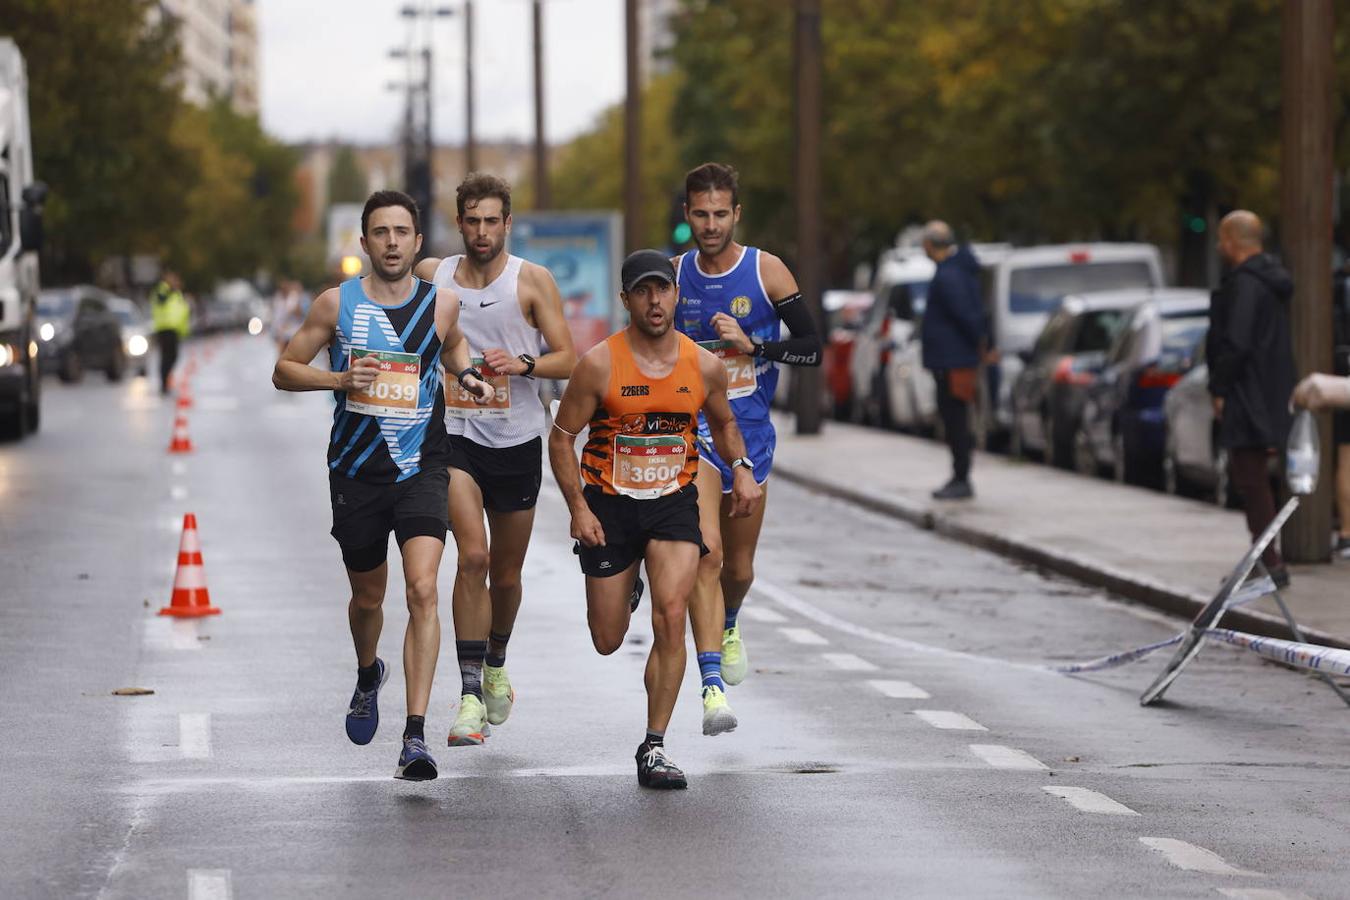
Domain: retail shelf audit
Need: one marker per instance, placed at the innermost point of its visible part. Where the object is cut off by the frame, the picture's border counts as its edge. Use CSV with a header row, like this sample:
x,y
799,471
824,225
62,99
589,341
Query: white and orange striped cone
x,y
184,400
190,597
180,442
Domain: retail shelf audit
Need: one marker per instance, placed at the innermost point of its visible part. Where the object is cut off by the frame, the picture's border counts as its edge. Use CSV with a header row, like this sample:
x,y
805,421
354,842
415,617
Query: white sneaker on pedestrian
x,y
498,695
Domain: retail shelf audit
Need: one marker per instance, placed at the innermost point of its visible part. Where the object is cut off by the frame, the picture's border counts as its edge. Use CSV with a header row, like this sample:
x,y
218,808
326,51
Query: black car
x,y
1049,392
78,330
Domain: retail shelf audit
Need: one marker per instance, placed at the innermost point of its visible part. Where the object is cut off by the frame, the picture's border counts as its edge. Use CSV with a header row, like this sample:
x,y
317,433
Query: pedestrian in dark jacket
x,y
1251,368
952,333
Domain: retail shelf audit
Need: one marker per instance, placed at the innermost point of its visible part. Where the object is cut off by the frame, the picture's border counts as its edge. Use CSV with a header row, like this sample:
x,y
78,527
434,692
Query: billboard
x,y
582,250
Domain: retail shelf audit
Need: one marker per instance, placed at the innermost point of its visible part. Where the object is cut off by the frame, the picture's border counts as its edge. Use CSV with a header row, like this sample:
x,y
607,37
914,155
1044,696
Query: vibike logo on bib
x,y
654,423
635,390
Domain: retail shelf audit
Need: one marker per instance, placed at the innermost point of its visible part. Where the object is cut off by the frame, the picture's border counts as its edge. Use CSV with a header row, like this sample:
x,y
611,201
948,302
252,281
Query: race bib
x,y
460,403
647,466
393,393
741,378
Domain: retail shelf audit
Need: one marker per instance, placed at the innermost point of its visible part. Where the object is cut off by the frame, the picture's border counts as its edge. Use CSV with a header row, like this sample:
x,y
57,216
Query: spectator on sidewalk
x,y
1251,369
952,333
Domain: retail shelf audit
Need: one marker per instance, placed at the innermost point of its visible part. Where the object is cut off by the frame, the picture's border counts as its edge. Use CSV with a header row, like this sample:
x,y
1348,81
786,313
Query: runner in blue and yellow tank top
x,y
390,335
732,301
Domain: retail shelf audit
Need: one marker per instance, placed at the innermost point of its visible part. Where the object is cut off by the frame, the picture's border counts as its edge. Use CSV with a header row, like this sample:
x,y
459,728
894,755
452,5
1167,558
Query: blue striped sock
x,y
731,618
710,667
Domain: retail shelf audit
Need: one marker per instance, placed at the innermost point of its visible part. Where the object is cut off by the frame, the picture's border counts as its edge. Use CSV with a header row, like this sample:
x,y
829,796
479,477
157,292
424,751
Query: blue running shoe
x,y
363,718
415,762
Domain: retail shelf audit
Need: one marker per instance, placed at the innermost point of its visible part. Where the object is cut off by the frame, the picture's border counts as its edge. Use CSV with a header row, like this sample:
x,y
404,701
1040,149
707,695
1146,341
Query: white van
x,y
20,237
1023,289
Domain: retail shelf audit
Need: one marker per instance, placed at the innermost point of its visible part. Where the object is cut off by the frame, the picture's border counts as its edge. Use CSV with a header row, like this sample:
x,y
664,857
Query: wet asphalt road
x,y
235,778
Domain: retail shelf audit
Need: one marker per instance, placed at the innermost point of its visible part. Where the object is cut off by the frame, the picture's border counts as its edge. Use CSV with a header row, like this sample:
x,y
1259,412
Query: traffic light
x,y
680,232
1196,224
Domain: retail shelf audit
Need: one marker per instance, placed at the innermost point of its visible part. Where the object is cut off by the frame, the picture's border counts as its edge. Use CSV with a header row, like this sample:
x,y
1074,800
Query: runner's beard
x,y
483,257
384,273
651,330
711,250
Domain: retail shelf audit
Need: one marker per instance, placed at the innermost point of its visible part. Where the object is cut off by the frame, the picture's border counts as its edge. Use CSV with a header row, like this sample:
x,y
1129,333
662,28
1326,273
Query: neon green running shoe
x,y
470,728
733,656
498,695
717,715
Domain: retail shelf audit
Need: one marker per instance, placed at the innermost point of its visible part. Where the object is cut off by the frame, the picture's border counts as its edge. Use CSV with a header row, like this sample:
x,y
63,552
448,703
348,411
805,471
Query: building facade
x,y
218,41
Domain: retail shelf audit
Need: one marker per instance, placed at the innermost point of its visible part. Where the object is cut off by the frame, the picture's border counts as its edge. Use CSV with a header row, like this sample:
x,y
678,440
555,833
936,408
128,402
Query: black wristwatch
x,y
469,371
528,360
757,347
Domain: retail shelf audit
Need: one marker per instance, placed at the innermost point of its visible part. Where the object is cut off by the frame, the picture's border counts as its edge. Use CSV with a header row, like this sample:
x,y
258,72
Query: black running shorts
x,y
629,524
364,514
509,477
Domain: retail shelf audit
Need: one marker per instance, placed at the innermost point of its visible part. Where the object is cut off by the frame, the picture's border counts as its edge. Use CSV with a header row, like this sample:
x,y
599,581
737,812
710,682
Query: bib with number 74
x,y
394,392
647,466
741,378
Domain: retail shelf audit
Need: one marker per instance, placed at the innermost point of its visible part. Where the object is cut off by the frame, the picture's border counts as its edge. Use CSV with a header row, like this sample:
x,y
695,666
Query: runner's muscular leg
x,y
422,641
469,604
740,538
510,542
705,600
607,610
365,611
671,568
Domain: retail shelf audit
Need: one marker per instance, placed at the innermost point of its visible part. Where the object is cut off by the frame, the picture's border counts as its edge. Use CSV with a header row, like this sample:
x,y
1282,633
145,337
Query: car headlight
x,y
9,355
255,325
137,345
46,331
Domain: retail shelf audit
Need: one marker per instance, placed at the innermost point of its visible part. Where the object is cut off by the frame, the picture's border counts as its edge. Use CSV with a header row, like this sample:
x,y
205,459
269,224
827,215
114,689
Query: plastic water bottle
x,y
1303,455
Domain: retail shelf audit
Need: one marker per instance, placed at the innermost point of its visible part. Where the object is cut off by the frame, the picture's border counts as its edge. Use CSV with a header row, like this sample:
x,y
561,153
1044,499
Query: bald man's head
x,y
938,239
1240,236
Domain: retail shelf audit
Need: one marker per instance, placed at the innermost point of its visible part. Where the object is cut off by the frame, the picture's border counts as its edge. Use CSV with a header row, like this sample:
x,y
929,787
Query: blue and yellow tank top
x,y
394,430
740,293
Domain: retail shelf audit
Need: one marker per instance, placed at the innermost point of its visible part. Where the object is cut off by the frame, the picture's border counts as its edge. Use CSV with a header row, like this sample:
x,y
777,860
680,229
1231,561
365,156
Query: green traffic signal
x,y
682,234
1197,224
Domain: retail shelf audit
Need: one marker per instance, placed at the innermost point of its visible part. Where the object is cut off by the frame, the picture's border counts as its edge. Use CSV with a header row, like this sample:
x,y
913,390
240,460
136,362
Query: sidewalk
x,y
1162,551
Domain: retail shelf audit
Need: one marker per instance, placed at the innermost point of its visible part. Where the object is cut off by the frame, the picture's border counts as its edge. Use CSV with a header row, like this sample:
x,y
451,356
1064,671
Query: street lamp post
x,y
419,145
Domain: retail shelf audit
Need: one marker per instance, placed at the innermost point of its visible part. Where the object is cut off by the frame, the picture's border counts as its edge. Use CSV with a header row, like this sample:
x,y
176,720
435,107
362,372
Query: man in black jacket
x,y
952,331
1251,368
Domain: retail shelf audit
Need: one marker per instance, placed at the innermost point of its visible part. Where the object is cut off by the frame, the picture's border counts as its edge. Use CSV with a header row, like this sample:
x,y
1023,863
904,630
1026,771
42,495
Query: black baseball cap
x,y
645,264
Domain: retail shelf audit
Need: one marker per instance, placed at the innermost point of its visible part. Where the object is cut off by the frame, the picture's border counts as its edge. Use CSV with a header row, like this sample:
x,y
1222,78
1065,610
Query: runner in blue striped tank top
x,y
732,301
512,313
390,334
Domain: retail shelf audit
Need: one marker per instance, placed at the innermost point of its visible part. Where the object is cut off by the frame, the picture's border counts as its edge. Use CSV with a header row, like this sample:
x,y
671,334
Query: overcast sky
x,y
325,67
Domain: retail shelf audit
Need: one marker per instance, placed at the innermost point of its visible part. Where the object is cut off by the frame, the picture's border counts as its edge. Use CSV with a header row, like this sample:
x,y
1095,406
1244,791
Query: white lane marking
x,y
209,884
849,662
762,614
952,721
1187,856
802,636
900,690
178,492
184,635
790,601
1258,894
1089,801
194,735
1001,757
178,467
165,633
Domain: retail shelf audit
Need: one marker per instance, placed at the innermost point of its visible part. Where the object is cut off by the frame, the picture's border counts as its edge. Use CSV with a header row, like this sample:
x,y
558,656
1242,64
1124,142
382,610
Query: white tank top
x,y
492,317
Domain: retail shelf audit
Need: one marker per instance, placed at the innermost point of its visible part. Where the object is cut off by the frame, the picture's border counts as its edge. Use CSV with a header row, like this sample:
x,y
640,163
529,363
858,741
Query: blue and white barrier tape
x,y
1304,656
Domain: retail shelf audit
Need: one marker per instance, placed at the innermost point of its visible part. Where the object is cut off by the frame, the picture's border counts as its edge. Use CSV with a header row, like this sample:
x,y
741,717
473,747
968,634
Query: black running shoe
x,y
655,770
415,762
363,716
636,598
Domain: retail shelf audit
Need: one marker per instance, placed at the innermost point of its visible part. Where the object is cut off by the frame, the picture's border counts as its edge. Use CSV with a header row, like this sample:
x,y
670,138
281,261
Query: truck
x,y
21,197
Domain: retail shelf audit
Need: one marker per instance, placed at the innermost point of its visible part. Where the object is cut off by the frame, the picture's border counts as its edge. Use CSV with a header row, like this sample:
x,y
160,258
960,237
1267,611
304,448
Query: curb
x,y
1135,587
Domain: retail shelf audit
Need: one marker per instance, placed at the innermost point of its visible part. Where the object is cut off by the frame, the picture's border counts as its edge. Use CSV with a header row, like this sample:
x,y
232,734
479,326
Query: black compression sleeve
x,y
804,347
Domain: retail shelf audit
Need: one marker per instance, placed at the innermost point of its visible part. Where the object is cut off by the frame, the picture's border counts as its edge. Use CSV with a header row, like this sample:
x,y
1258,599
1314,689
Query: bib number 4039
x,y
395,391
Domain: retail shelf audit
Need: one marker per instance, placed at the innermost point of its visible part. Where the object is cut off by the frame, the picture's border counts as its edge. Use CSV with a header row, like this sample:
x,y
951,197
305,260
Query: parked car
x,y
1048,395
1122,427
77,331
899,289
136,332
231,307
1021,291
844,314
1193,461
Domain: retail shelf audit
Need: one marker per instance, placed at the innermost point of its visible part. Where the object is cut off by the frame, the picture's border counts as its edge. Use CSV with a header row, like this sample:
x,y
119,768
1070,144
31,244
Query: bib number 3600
x,y
648,466
394,392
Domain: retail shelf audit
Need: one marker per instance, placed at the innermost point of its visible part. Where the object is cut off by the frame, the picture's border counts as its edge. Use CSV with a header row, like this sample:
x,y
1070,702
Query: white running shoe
x,y
717,715
498,695
733,656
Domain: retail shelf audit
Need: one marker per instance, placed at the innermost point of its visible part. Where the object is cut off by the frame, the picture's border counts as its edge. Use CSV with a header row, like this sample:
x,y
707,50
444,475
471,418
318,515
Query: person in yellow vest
x,y
169,313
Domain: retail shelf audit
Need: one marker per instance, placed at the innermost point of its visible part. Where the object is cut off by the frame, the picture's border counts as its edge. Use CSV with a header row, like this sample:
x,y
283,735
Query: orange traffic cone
x,y
184,398
180,443
190,597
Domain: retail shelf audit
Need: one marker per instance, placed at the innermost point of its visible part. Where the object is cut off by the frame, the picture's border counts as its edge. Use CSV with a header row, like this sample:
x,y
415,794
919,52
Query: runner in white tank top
x,y
511,312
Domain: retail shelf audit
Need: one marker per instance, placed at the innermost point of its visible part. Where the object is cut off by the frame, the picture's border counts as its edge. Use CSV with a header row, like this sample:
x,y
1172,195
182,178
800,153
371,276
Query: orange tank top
x,y
641,442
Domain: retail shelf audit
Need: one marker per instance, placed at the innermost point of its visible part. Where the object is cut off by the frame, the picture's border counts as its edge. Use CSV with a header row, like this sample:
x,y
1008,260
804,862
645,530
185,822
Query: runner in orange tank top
x,y
641,392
